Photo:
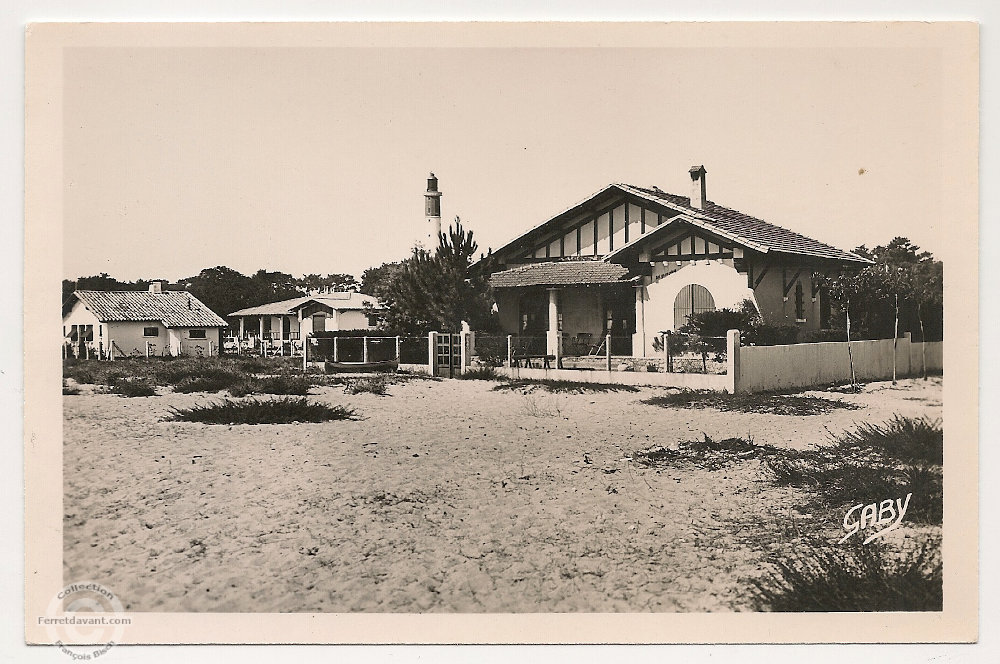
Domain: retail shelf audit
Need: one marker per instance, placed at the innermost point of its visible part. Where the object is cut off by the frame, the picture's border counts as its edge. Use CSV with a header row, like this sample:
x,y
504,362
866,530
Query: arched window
x,y
692,299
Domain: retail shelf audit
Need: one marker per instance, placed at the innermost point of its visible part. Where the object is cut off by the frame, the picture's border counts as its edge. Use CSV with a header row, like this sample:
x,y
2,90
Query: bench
x,y
515,360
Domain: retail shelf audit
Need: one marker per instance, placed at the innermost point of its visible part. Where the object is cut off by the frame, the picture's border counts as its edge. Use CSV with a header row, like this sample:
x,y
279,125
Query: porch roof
x,y
342,301
561,273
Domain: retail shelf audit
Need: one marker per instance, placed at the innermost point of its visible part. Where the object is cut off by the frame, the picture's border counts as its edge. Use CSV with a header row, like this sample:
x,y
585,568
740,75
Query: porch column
x,y
262,352
554,336
242,328
639,337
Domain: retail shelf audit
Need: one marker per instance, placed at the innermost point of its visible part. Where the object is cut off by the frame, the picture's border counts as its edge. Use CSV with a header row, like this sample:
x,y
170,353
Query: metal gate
x,y
449,355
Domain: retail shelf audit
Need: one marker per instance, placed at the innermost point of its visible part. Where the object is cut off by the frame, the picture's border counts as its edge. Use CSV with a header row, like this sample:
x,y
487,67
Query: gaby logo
x,y
876,514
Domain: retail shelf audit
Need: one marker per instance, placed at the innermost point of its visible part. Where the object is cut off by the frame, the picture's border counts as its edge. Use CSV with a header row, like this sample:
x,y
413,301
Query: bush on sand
x,y
284,410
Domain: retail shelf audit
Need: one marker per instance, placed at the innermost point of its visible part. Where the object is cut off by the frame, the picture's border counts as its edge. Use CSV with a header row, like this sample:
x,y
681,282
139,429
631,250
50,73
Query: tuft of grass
x,y
563,386
535,408
284,410
915,440
134,388
706,453
482,373
214,380
855,578
369,384
280,384
69,389
760,402
872,462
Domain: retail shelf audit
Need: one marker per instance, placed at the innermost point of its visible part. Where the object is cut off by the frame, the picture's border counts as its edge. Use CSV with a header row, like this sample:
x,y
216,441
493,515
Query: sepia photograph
x,y
512,320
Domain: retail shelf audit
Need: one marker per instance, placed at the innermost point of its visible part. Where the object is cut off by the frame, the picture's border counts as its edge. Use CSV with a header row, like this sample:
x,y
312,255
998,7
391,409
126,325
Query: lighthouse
x,y
432,210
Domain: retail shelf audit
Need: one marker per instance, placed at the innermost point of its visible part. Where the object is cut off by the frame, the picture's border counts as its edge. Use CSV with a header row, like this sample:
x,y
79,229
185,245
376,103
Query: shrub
x,y
369,384
210,381
819,336
297,385
134,388
285,410
491,349
857,578
481,373
758,402
565,386
905,438
69,390
706,453
872,462
763,334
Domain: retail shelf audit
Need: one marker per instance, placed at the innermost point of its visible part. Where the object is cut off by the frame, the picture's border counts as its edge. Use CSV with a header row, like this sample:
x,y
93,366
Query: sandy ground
x,y
446,496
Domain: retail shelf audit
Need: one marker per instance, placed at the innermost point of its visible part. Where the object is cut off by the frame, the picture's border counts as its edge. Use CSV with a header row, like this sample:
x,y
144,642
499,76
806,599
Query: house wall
x,y
727,286
352,319
778,310
80,315
129,339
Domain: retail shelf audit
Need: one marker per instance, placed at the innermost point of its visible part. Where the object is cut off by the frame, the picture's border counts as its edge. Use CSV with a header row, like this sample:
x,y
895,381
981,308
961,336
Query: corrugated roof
x,y
560,273
342,301
737,225
172,308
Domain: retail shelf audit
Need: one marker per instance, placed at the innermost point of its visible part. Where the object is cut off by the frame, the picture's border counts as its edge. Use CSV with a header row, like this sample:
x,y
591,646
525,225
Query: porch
x,y
570,324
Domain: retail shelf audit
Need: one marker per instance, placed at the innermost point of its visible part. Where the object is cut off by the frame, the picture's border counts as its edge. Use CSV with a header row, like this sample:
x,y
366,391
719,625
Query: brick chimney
x,y
698,197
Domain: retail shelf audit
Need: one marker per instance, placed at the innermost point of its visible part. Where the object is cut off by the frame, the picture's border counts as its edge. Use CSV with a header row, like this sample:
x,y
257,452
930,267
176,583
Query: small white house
x,y
290,320
156,322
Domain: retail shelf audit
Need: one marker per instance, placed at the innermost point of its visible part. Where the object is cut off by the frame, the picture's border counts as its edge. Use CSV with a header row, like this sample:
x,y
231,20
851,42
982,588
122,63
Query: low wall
x,y
763,368
689,381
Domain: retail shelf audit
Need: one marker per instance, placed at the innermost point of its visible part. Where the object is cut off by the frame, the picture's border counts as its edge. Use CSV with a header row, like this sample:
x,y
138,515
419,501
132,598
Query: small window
x,y
150,331
800,307
196,334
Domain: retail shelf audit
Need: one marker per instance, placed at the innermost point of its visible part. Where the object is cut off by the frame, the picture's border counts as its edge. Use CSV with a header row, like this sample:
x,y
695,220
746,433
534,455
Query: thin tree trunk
x,y
923,343
895,339
850,354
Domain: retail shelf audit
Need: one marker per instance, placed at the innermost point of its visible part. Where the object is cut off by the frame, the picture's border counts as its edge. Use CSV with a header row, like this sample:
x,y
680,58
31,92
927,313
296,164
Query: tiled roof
x,y
560,273
342,301
172,308
740,226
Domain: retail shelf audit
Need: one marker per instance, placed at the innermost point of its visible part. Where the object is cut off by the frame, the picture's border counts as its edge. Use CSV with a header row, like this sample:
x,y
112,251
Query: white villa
x,y
287,321
156,322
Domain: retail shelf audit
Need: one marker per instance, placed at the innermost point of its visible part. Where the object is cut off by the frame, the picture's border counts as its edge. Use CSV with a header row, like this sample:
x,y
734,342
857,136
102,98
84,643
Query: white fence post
x,y
364,350
335,349
607,351
510,351
305,352
465,352
432,353
733,361
398,345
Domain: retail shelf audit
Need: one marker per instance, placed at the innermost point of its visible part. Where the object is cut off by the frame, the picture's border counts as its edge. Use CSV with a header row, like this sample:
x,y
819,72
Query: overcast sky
x,y
315,159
